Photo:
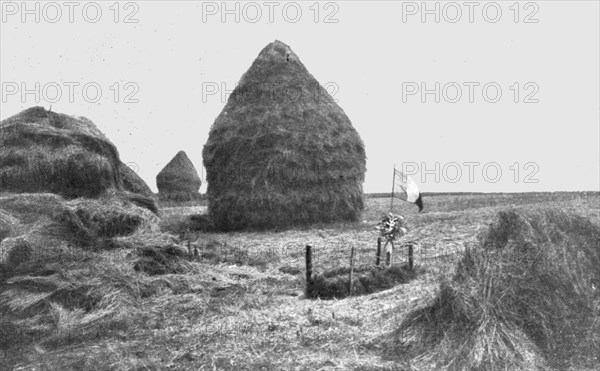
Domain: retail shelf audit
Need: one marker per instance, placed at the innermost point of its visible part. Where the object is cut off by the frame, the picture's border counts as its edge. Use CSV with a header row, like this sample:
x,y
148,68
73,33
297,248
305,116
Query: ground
x,y
243,305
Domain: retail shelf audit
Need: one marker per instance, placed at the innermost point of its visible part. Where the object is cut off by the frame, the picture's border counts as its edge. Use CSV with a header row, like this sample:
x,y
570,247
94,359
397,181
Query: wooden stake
x,y
378,254
309,269
351,271
410,257
388,254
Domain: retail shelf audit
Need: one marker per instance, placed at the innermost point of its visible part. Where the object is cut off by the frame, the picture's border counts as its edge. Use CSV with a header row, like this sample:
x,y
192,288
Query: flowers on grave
x,y
391,227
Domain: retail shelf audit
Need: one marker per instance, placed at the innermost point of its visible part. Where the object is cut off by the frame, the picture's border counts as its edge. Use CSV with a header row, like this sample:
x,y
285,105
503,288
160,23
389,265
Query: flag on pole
x,y
406,189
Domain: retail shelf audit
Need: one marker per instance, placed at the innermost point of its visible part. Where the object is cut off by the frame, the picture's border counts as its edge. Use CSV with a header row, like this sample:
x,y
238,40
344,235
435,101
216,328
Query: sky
x,y
463,96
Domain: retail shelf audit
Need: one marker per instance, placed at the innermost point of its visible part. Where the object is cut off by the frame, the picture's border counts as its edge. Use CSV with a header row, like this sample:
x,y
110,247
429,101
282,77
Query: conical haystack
x,y
282,152
525,298
178,180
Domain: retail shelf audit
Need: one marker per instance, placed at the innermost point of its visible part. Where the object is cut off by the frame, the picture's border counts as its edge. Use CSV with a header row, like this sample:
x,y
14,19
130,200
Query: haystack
x,y
282,152
132,181
138,191
63,204
527,298
178,180
43,151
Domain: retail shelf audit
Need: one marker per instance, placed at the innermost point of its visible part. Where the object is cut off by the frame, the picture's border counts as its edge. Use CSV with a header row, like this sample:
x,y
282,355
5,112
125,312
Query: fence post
x,y
378,254
388,254
309,267
351,270
410,257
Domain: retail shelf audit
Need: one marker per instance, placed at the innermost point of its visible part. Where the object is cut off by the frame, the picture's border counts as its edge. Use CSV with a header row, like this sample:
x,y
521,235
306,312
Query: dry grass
x,y
524,298
239,304
137,190
43,151
58,283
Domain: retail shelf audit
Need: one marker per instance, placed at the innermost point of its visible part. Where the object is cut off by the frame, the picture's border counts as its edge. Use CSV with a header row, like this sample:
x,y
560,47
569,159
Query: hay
x,y
112,217
282,153
43,151
58,283
178,180
526,299
132,181
44,219
9,225
137,191
13,252
146,202
158,260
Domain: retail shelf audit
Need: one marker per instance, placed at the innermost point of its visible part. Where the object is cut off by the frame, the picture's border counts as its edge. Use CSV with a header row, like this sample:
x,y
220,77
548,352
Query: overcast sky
x,y
518,85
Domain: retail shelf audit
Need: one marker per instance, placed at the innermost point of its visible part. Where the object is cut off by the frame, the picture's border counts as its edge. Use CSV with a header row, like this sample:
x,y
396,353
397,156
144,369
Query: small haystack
x,y
178,180
282,152
43,151
527,298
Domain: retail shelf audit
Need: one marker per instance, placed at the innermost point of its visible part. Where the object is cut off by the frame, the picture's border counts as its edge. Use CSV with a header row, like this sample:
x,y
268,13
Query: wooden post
x,y
378,255
410,257
350,284
309,267
388,254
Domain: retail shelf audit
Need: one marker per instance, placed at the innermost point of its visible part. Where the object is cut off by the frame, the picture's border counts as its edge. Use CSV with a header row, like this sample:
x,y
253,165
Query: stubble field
x,y
240,302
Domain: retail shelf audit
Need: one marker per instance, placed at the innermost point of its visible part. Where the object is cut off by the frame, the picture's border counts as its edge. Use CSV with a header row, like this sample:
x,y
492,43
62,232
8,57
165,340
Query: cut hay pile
x,y
71,233
69,270
526,299
282,152
178,180
43,151
44,221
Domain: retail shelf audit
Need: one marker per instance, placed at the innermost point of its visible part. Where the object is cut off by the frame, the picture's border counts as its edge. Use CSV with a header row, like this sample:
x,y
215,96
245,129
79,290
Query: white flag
x,y
406,189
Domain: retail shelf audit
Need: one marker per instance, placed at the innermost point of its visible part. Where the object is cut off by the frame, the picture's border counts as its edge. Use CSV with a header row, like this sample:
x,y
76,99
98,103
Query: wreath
x,y
391,227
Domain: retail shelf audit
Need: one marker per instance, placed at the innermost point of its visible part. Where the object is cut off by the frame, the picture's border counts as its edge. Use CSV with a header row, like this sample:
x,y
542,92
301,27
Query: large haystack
x,y
528,298
43,151
282,152
178,180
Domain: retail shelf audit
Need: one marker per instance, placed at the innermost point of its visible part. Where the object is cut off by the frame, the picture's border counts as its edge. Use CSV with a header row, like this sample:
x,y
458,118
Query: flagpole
x,y
393,185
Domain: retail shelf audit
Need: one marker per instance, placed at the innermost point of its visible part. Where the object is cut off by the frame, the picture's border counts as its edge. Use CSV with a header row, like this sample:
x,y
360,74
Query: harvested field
x,y
238,302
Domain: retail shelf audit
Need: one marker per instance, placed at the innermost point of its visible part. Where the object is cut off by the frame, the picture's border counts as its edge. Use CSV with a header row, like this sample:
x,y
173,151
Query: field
x,y
241,305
